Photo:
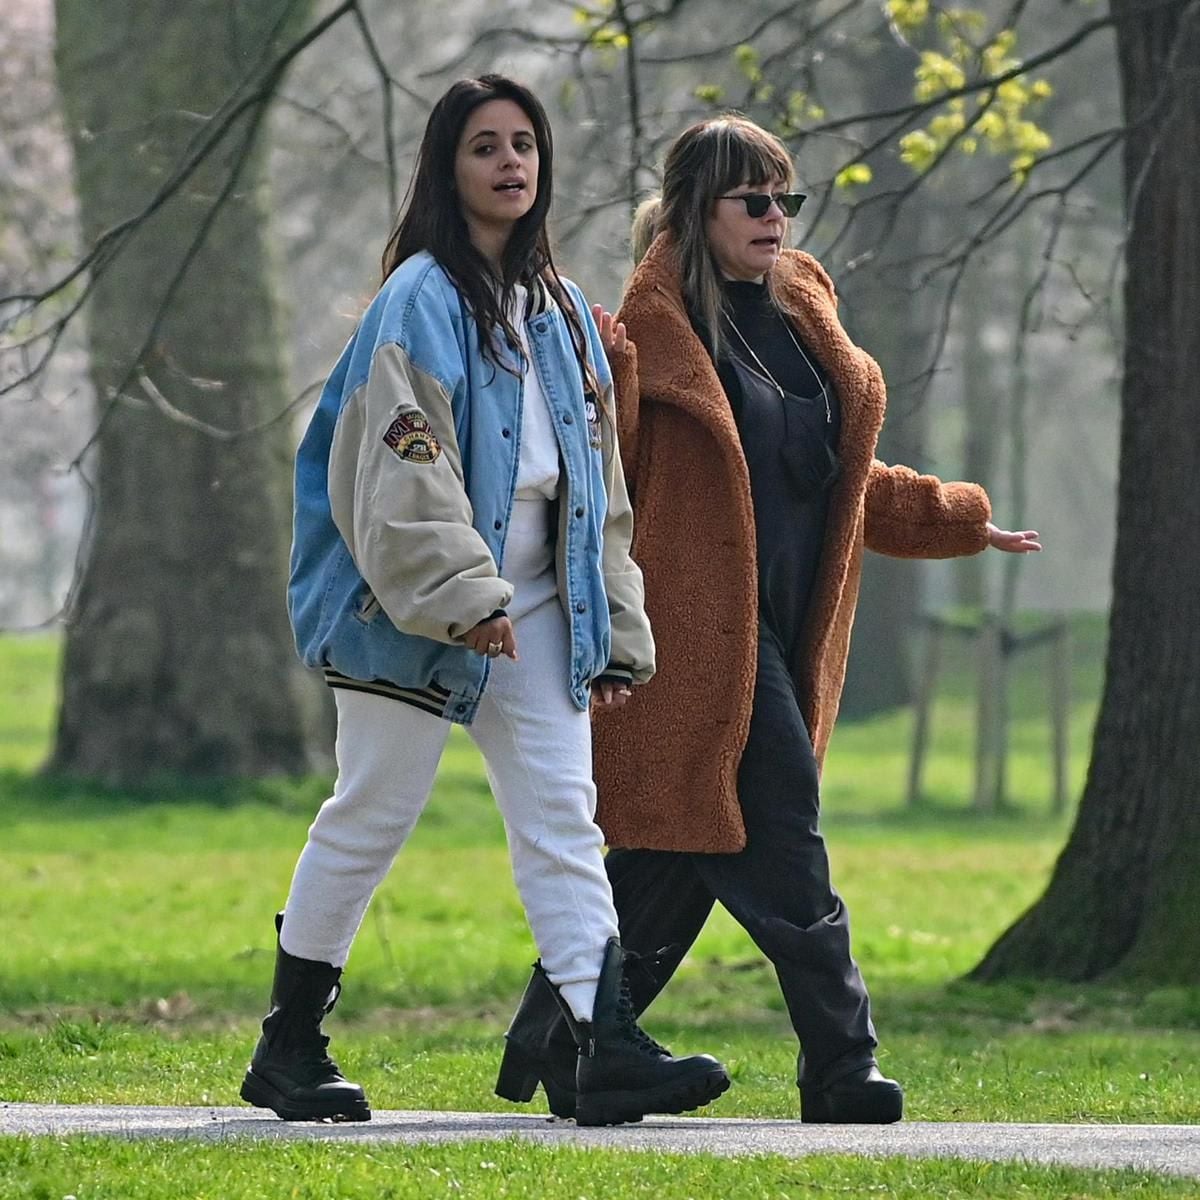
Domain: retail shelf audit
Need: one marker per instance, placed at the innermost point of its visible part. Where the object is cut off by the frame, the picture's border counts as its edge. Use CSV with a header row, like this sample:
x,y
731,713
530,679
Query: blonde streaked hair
x,y
705,161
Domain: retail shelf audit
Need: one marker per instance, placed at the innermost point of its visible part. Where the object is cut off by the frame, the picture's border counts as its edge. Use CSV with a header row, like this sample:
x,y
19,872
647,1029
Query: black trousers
x,y
777,888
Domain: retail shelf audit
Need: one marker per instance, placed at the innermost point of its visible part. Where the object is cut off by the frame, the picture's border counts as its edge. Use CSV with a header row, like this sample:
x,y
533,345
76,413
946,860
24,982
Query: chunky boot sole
x,y
870,1106
262,1094
622,1106
520,1074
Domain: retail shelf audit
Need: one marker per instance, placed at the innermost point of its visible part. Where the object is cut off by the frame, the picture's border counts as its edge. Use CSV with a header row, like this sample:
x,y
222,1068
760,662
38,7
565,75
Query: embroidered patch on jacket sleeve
x,y
411,438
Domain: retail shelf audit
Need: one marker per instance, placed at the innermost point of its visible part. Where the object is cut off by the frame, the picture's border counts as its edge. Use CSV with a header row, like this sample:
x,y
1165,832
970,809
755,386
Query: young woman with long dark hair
x,y
459,499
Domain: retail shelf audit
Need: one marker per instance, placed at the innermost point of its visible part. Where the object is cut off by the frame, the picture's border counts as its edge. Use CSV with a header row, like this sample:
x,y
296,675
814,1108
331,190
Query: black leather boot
x,y
290,1072
860,1096
539,1045
539,1048
622,1073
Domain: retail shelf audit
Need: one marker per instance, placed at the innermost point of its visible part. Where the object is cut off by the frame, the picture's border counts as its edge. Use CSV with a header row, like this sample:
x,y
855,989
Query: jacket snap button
x,y
506,433
568,419
581,607
540,327
579,511
497,524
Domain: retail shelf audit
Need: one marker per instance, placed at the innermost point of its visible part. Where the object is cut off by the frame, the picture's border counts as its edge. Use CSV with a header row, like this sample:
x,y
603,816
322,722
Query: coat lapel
x,y
675,369
674,366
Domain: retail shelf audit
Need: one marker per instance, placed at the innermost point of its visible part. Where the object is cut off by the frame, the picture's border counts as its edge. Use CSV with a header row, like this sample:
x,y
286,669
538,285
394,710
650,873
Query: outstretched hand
x,y
1010,542
612,332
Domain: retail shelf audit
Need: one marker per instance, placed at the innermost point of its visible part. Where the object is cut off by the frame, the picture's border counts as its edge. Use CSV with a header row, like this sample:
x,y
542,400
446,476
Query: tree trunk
x,y
983,403
1125,892
878,673
895,324
178,656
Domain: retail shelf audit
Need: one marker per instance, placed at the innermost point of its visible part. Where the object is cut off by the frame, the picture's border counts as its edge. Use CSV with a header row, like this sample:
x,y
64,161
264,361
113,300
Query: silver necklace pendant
x,y
811,367
766,375
762,370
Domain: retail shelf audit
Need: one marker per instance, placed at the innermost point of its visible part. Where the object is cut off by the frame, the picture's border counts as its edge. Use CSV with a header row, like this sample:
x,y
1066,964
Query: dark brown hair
x,y
431,218
704,162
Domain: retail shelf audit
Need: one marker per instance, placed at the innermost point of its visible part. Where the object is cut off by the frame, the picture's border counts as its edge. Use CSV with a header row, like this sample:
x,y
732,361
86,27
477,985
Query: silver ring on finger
x,y
494,649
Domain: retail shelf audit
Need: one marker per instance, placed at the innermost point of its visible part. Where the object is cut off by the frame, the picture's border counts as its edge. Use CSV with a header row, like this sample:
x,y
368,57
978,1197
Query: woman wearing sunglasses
x,y
748,422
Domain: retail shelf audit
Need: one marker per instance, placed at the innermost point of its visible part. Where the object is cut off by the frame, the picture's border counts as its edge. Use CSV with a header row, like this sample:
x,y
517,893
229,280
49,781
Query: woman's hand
x,y
1013,543
608,694
492,637
612,332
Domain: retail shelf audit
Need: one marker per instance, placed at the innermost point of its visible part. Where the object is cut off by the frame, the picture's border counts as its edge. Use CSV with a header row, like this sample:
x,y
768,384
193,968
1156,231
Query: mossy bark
x,y
1124,900
178,655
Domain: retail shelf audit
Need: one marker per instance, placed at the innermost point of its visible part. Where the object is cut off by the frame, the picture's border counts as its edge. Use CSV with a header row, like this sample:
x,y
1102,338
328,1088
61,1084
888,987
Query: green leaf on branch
x,y
959,51
852,175
746,58
908,15
709,93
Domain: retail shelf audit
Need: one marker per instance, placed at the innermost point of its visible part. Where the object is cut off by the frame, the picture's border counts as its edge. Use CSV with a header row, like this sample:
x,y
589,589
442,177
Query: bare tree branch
x,y
351,142
918,108
746,36
171,412
205,142
633,98
387,82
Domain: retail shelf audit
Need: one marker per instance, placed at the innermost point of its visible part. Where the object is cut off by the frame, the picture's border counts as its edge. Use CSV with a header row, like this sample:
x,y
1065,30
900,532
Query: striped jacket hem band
x,y
431,699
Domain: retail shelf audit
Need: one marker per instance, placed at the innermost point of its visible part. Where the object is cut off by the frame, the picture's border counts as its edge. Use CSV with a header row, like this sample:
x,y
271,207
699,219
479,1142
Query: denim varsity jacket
x,y
404,487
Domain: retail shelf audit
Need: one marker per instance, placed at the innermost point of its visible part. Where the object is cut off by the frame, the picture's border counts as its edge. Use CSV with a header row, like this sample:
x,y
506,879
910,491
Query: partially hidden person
x,y
748,423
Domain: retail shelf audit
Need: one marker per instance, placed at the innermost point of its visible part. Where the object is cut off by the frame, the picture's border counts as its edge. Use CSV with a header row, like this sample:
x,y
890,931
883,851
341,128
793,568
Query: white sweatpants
x,y
537,748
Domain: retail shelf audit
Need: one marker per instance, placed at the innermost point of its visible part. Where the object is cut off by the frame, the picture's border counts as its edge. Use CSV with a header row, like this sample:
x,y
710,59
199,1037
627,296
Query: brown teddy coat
x,y
666,762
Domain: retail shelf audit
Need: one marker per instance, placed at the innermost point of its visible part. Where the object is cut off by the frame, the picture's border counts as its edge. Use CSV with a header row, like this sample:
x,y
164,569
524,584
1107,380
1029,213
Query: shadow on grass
x,y
61,798
958,820
712,996
712,990
49,797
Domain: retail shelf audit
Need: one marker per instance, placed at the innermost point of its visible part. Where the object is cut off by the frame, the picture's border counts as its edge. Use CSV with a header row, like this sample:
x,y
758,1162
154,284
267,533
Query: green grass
x,y
138,948
866,770
28,694
91,1169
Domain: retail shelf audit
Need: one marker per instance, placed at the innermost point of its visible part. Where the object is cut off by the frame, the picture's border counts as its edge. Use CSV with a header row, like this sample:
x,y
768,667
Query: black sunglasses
x,y
757,203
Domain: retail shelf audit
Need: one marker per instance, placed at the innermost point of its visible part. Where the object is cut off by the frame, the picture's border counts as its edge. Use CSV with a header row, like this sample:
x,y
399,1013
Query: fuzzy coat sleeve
x,y
908,515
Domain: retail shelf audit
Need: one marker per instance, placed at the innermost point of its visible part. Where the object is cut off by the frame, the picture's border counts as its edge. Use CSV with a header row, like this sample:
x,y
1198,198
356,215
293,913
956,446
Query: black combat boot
x,y
861,1095
290,1073
621,1072
539,1048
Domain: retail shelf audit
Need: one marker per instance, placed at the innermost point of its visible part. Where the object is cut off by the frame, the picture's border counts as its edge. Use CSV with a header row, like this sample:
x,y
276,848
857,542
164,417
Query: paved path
x,y
1174,1149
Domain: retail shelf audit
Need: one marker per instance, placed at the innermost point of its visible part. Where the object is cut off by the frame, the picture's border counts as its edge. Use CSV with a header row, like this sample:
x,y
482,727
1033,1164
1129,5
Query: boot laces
x,y
302,1034
321,1058
629,1024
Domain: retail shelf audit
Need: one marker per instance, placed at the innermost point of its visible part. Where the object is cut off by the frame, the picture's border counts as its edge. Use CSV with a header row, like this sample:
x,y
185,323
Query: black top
x,y
790,443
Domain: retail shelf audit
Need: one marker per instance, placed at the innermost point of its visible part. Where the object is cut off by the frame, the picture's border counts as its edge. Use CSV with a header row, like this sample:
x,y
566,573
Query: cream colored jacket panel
x,y
632,640
405,517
